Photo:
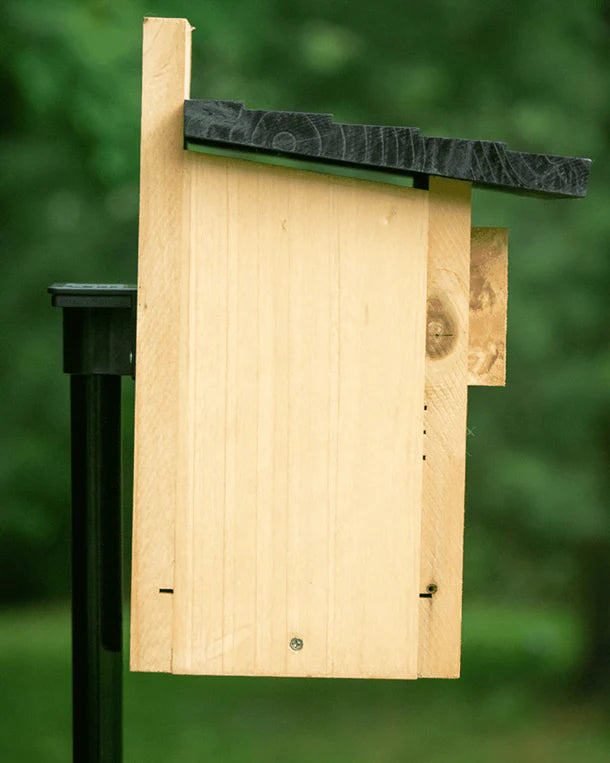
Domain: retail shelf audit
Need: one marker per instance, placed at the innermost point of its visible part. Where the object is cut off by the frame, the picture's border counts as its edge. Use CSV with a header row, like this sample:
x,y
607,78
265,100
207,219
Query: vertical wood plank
x,y
162,289
445,427
488,307
312,303
380,399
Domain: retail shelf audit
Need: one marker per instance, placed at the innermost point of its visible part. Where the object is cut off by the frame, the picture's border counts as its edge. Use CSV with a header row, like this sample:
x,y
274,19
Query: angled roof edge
x,y
400,150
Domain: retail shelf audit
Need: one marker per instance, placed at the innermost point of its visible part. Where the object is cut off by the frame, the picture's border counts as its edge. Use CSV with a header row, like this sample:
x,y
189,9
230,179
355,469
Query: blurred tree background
x,y
533,73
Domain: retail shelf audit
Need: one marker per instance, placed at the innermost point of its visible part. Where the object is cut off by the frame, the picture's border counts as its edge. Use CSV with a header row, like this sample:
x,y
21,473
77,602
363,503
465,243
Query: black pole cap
x,y
99,327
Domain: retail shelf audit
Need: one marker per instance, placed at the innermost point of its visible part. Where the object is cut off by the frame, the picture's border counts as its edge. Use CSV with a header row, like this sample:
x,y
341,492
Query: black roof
x,y
401,150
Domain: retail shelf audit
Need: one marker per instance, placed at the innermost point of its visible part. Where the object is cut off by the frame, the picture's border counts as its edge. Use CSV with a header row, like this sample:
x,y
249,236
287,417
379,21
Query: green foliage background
x,y
534,73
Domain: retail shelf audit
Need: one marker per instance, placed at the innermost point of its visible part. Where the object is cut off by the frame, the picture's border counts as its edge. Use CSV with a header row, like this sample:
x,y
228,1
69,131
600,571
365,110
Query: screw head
x,y
296,644
432,588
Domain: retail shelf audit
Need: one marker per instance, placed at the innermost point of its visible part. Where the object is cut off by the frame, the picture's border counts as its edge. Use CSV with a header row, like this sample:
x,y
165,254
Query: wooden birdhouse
x,y
306,336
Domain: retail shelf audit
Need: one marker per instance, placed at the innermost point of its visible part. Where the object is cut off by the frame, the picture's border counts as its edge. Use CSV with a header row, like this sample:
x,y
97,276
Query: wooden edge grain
x,y
445,429
161,282
488,307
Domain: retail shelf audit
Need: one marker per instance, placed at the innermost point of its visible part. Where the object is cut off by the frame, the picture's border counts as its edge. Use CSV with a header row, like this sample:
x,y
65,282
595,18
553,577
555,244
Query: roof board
x,y
402,150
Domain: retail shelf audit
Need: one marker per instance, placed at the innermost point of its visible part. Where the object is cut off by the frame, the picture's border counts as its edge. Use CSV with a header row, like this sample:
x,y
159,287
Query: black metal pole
x,y
96,568
99,348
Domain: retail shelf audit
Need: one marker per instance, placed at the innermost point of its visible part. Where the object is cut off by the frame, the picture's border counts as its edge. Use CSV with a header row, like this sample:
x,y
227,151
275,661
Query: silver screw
x,y
296,644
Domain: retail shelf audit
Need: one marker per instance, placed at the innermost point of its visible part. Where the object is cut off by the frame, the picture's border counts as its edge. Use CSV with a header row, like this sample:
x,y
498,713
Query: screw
x,y
296,644
432,588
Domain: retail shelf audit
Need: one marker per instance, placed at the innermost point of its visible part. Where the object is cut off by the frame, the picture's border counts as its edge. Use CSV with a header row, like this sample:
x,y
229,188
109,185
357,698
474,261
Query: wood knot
x,y
441,329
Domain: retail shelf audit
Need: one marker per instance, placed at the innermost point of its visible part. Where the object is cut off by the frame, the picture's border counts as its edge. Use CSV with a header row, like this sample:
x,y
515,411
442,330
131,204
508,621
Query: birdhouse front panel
x,y
298,523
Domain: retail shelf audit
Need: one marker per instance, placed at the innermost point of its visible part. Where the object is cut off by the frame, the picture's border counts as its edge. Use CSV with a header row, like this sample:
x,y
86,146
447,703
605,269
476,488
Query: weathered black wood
x,y
393,149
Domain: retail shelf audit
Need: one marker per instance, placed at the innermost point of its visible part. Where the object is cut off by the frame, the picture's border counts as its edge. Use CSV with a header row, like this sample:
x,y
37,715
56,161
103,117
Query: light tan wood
x,y
488,306
279,408
305,398
162,291
445,428
280,486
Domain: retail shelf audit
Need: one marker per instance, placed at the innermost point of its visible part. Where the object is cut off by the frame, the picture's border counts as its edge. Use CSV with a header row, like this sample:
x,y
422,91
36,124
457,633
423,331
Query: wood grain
x,y
305,399
445,429
488,307
162,291
397,149
287,393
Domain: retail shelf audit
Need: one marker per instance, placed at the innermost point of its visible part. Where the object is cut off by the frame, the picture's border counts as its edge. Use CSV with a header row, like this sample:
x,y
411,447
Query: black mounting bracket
x,y
98,348
99,327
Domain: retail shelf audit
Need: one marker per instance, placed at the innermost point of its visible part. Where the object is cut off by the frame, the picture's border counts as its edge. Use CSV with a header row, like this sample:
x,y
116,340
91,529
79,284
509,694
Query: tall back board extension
x,y
305,341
